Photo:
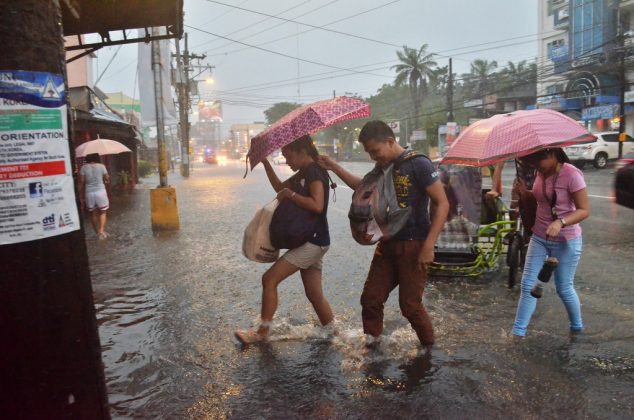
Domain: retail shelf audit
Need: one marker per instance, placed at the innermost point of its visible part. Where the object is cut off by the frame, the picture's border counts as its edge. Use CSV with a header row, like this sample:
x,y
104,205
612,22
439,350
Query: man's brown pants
x,y
395,263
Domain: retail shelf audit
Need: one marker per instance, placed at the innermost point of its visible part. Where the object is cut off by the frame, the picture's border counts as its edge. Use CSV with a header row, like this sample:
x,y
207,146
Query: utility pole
x,y
50,357
164,209
622,102
450,117
621,51
158,104
183,67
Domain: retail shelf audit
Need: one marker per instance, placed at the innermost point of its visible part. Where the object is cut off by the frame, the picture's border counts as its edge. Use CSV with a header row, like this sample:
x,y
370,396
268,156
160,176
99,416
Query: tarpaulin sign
x,y
37,194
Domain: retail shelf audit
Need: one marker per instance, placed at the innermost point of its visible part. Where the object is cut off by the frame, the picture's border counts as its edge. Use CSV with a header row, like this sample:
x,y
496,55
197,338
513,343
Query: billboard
x,y
210,111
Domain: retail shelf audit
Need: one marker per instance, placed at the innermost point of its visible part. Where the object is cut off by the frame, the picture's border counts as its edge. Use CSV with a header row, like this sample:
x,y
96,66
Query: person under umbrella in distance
x,y
308,189
93,178
562,203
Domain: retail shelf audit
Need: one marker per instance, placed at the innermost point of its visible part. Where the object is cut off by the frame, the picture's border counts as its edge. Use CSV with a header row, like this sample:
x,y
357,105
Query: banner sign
x,y
600,112
37,192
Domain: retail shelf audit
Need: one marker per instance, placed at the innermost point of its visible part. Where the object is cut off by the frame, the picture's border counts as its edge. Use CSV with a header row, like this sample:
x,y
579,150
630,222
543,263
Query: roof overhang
x,y
110,19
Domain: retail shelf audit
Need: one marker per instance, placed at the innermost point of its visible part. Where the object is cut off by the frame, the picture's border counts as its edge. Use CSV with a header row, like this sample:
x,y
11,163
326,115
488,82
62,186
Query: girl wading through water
x,y
308,189
562,203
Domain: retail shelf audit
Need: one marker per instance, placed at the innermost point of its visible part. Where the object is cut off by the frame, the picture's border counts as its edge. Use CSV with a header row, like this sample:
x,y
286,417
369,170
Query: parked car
x,y
624,181
599,152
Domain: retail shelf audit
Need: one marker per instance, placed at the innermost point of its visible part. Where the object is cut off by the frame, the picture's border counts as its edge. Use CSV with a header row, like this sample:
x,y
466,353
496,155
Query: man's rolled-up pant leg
x,y
412,280
380,282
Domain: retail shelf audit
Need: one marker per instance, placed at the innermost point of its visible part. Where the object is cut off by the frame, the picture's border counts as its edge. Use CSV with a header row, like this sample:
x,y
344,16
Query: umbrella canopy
x,y
101,146
306,119
508,136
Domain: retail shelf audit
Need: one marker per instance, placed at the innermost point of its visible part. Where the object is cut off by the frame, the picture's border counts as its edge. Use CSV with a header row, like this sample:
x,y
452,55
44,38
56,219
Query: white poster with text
x,y
37,193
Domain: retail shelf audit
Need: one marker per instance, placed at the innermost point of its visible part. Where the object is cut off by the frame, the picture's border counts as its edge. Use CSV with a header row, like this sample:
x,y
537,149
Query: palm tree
x,y
518,76
481,75
416,68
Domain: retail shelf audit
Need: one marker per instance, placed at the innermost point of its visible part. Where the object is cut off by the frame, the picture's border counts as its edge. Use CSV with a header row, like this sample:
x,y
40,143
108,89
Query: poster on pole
x,y
37,192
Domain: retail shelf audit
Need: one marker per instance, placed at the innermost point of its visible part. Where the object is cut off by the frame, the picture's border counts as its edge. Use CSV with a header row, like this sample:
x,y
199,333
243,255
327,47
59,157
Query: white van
x,y
599,152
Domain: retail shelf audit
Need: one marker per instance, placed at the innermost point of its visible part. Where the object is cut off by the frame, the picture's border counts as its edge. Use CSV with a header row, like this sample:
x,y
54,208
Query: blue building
x,y
579,64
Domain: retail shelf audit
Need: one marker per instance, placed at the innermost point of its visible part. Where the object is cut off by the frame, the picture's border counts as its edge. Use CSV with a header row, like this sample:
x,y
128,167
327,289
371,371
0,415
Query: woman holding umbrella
x,y
562,203
93,178
308,189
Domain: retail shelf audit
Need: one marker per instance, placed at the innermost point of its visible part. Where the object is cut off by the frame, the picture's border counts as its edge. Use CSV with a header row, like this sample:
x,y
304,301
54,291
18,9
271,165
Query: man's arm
x,y
351,180
496,182
437,196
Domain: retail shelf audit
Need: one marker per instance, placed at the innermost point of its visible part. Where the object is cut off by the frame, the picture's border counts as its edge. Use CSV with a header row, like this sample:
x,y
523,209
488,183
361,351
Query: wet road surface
x,y
167,307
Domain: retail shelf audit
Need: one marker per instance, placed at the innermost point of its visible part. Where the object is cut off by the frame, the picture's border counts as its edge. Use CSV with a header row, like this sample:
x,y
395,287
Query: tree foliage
x,y
278,110
415,70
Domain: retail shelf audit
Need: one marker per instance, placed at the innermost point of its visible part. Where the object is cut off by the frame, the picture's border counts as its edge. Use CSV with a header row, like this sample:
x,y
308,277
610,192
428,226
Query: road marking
x,y
599,196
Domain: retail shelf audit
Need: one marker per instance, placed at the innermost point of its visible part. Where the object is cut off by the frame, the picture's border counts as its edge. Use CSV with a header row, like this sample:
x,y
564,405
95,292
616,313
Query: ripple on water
x,y
130,331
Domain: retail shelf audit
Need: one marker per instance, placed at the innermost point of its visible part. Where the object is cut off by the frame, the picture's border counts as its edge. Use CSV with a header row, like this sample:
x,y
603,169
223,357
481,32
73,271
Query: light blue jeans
x,y
568,253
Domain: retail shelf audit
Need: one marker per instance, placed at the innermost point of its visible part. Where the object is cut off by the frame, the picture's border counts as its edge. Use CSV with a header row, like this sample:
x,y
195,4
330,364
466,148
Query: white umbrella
x,y
101,146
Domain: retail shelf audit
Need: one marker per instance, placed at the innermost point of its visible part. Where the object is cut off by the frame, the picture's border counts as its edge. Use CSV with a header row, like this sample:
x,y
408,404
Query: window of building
x,y
587,26
554,89
554,44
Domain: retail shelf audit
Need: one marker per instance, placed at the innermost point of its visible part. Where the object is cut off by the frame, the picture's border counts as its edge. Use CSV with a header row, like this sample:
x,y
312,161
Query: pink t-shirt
x,y
569,181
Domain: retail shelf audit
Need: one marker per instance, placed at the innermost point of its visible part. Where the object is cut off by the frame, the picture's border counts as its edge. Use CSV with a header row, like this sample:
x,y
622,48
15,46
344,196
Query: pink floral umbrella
x,y
307,119
508,136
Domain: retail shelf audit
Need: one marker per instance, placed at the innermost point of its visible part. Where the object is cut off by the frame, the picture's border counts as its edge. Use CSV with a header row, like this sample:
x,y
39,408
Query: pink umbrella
x,y
508,136
307,119
101,146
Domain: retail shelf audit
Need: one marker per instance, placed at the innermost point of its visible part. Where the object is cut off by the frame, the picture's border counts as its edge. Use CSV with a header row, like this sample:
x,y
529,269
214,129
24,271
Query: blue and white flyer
x,y
37,192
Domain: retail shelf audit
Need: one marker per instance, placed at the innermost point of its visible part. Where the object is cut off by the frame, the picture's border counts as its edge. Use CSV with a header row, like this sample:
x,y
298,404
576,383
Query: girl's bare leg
x,y
311,278
273,276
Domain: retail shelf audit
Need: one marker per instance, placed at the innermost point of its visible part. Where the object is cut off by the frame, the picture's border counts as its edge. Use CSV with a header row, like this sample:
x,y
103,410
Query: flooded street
x,y
167,307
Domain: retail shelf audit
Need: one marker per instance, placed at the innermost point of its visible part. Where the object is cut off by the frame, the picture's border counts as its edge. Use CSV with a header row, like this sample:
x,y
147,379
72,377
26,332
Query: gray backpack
x,y
375,214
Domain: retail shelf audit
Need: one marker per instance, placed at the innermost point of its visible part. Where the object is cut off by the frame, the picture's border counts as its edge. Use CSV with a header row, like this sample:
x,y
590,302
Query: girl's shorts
x,y
97,200
306,256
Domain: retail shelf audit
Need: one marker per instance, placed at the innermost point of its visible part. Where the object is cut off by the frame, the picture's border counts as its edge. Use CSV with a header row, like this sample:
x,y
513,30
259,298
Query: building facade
x,y
584,57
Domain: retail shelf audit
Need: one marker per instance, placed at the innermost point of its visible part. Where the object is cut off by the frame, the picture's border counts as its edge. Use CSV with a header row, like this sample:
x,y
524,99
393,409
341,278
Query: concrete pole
x,y
163,203
50,357
158,101
183,102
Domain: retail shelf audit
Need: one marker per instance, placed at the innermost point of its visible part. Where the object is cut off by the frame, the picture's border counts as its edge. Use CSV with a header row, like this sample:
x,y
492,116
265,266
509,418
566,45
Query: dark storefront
x,y
92,119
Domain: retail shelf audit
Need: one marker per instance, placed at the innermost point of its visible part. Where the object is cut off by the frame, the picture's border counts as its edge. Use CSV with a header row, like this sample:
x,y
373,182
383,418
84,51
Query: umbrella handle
x,y
246,168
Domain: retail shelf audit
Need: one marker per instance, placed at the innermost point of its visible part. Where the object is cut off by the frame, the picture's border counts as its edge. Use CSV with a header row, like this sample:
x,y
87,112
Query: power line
x,y
255,24
313,26
285,55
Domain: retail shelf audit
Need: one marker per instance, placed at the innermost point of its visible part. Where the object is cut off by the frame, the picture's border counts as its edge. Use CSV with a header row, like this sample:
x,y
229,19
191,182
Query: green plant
x,y
145,168
123,178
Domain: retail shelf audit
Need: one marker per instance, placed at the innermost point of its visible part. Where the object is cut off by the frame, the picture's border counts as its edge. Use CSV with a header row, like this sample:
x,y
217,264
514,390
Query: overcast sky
x,y
263,60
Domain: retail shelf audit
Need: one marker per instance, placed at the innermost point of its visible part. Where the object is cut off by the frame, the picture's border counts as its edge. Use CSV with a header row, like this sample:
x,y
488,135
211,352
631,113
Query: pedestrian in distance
x,y
93,178
309,189
562,203
403,259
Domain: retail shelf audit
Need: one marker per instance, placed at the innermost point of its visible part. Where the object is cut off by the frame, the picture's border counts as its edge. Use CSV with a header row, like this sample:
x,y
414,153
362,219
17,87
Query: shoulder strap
x,y
407,155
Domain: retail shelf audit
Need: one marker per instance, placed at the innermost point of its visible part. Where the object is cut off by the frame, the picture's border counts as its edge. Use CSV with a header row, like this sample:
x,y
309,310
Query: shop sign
x,y
602,112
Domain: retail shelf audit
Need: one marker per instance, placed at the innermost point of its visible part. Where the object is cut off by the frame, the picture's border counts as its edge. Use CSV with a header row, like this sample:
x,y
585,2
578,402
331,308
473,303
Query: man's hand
x,y
492,195
426,255
326,162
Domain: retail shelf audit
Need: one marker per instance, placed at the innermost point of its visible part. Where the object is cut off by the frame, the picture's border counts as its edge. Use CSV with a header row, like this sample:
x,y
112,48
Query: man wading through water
x,y
402,260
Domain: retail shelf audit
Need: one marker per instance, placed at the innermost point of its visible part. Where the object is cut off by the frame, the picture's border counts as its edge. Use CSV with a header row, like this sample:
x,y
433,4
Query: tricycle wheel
x,y
514,260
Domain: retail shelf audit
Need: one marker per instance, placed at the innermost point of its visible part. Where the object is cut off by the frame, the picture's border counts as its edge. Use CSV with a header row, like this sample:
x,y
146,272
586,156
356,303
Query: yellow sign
x,y
622,136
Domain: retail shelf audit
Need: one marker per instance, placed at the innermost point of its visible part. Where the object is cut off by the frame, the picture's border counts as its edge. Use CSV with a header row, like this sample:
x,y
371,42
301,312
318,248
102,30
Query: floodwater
x,y
167,307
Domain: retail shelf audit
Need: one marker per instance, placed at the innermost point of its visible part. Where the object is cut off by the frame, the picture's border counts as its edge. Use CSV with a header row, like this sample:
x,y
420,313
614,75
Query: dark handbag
x,y
291,225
